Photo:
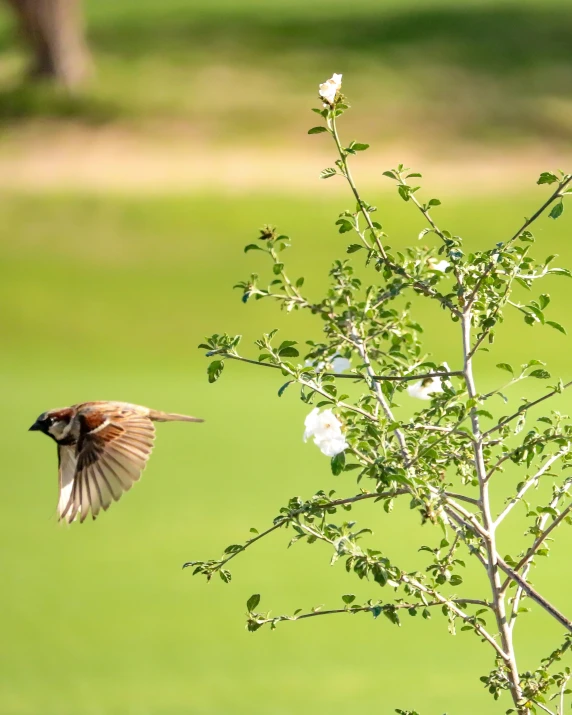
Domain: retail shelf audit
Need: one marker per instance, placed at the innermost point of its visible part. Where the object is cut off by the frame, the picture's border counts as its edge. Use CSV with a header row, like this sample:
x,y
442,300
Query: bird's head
x,y
54,423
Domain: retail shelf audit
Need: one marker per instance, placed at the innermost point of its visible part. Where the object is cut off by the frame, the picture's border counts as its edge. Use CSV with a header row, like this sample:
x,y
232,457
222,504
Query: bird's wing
x,y
67,462
112,451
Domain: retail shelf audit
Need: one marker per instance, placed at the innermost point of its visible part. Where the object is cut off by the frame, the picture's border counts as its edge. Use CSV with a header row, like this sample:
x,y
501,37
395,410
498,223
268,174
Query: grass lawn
x,y
108,297
477,71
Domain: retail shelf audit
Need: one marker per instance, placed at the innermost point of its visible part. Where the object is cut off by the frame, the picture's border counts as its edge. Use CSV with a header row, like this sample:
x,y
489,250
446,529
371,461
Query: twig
x,y
528,483
525,407
419,285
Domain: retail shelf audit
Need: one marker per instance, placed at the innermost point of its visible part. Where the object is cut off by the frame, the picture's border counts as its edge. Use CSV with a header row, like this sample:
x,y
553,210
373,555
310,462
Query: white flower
x,y
440,266
326,429
330,88
425,388
337,362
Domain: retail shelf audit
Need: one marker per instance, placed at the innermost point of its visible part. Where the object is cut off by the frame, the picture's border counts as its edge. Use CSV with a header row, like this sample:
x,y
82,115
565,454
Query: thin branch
x,y
543,707
558,193
525,407
372,609
458,612
462,497
533,593
529,483
287,518
418,285
543,536
344,376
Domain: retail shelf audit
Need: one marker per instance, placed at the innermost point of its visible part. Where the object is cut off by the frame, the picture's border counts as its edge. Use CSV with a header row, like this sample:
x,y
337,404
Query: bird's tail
x,y
158,416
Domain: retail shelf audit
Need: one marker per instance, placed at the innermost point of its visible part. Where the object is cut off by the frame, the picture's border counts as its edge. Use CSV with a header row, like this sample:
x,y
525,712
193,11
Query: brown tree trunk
x,y
55,33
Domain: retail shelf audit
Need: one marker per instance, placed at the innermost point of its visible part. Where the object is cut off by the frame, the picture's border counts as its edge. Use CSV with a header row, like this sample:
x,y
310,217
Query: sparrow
x,y
103,448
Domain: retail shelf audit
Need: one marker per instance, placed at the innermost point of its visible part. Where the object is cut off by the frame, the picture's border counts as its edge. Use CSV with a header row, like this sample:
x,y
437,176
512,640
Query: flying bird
x,y
102,449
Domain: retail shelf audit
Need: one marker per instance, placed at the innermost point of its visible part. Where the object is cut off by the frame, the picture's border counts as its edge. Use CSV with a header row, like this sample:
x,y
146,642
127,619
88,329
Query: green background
x,y
107,296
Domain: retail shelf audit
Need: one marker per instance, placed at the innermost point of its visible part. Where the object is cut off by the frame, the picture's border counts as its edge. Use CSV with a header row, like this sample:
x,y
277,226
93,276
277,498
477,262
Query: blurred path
x,y
109,160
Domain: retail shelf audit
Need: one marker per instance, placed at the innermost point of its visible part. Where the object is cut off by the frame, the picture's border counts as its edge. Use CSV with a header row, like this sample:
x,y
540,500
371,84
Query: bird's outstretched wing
x,y
112,451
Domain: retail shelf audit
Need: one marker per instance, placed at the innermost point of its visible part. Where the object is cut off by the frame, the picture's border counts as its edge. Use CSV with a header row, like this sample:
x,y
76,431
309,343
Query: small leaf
x,y
348,598
505,366
556,326
288,352
252,602
317,130
214,370
547,177
434,202
354,247
283,388
344,225
557,210
561,272
337,464
540,374
252,247
327,173
359,147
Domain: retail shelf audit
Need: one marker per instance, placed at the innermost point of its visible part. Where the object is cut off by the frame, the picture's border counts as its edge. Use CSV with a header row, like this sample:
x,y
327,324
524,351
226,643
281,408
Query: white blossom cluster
x,y
326,429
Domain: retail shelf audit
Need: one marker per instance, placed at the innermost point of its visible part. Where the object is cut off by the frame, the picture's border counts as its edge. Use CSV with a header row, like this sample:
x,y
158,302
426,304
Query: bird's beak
x,y
35,427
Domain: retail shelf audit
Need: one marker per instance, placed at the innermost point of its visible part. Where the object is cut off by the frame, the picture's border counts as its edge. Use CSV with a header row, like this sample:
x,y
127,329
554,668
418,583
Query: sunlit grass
x,y
107,298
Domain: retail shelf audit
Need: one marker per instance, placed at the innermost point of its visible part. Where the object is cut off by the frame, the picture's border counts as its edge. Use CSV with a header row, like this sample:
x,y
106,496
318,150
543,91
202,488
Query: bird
x,y
103,448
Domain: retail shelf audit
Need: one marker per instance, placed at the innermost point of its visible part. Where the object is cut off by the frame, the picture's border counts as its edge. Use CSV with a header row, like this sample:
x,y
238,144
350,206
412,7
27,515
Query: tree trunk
x,y
55,33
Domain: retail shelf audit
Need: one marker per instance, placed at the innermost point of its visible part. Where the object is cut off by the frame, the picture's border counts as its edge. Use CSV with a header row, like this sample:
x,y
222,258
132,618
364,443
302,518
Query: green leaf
x,y
284,386
327,173
344,225
556,326
337,463
547,177
359,147
288,352
348,598
252,602
287,349
557,210
505,366
252,247
354,247
390,174
317,130
214,370
540,374
561,272
434,202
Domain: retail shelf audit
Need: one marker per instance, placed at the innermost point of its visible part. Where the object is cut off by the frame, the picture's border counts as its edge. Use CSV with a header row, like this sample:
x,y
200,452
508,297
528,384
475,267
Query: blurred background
x,y
142,144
